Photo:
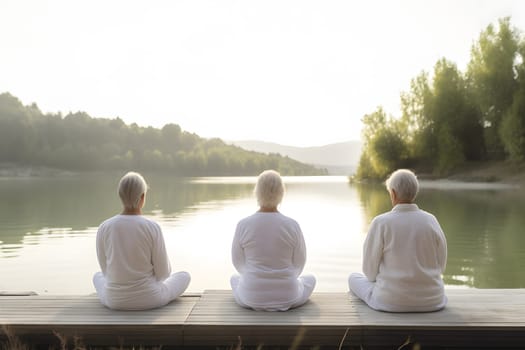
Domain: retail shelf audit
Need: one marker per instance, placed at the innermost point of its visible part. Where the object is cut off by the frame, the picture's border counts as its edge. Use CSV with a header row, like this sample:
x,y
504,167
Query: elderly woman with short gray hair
x,y
269,252
136,271
404,255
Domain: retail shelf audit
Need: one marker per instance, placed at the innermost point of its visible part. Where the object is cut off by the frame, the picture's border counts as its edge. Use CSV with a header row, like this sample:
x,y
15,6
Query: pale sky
x,y
299,73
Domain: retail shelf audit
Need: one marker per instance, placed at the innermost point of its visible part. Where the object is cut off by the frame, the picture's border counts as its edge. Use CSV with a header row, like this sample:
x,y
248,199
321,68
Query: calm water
x,y
48,227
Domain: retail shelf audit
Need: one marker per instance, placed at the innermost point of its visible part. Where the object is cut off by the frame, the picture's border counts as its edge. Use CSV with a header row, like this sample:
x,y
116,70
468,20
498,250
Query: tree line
x,y
79,142
453,117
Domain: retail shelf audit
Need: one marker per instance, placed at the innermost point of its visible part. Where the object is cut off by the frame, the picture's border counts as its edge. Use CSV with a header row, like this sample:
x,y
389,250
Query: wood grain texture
x,y
473,318
35,319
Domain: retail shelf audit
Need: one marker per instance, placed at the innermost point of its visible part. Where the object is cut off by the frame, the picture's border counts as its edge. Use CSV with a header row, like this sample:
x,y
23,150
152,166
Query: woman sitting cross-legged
x,y
404,255
269,253
136,272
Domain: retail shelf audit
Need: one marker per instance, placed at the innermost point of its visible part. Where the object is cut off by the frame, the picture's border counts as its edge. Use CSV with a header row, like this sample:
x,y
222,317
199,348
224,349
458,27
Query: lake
x,y
48,227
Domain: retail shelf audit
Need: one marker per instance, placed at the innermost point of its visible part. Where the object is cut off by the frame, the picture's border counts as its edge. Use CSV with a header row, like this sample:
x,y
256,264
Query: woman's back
x,y
269,252
404,255
131,246
132,256
414,254
269,241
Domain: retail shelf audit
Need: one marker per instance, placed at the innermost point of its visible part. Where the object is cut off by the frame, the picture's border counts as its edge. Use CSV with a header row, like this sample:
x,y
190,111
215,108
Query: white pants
x,y
308,282
362,288
159,295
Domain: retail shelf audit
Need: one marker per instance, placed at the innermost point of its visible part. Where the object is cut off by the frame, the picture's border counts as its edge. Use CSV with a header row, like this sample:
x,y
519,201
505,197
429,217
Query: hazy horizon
x,y
296,73
292,146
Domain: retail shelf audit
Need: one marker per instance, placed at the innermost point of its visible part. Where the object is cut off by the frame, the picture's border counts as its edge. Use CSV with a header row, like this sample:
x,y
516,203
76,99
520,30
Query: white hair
x,y
269,189
404,183
130,188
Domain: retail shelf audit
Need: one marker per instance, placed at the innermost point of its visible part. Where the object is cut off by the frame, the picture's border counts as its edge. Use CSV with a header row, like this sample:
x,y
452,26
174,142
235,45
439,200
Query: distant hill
x,y
338,158
30,139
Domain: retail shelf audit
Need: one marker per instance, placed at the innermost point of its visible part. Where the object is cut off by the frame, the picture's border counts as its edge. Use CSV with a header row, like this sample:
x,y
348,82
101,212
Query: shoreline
x,y
475,175
498,173
10,170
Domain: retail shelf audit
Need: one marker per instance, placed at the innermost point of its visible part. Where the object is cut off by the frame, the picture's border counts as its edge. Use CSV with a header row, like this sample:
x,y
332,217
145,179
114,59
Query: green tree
x,y
491,75
171,137
512,130
457,125
440,120
384,147
456,117
416,120
17,132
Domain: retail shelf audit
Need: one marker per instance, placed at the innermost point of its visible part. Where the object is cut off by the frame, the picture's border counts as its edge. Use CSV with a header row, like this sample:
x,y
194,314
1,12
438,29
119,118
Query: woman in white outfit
x,y
269,253
404,255
136,272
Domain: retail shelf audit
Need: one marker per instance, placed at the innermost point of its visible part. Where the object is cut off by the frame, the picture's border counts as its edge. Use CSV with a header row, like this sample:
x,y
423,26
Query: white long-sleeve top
x,y
132,256
269,252
405,254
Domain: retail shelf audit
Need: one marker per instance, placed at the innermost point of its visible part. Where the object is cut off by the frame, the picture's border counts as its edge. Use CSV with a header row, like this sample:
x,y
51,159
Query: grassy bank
x,y
506,172
493,171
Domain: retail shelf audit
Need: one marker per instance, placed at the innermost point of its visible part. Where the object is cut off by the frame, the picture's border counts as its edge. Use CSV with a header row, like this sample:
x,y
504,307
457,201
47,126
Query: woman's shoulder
x,y
246,220
267,216
401,210
427,215
383,217
110,221
131,220
288,219
148,222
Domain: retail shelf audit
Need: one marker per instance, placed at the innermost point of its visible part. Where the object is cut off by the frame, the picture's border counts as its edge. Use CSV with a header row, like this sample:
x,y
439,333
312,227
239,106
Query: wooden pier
x,y
473,318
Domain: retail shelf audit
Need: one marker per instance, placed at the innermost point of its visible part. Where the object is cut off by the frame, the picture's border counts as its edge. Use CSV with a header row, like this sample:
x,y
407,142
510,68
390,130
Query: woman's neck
x,y
268,209
132,211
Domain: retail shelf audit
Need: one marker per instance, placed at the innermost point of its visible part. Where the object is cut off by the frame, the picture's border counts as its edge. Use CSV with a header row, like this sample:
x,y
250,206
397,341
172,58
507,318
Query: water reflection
x,y
37,206
48,225
486,247
175,195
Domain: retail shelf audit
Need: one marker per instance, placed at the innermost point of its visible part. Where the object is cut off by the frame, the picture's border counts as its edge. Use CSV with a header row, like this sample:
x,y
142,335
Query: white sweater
x,y
269,253
132,255
405,253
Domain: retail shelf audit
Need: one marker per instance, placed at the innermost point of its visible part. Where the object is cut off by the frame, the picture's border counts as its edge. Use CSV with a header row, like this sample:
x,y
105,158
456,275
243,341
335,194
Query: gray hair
x,y
130,188
405,183
269,189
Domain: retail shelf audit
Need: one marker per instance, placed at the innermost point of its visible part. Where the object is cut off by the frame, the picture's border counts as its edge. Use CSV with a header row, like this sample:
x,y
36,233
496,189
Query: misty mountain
x,y
338,158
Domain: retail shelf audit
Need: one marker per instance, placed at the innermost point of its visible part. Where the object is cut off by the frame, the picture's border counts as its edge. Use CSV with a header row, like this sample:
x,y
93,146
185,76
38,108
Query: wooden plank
x,y
491,317
473,318
474,308
35,319
219,307
217,320
87,310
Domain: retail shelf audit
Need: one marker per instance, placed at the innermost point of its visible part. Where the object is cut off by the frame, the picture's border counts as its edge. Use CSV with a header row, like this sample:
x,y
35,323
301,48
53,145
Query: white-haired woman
x,y
136,272
269,253
404,255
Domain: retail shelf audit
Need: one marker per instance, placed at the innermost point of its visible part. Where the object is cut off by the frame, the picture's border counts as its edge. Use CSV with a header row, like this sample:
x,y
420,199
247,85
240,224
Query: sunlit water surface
x,y
48,228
